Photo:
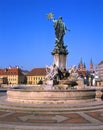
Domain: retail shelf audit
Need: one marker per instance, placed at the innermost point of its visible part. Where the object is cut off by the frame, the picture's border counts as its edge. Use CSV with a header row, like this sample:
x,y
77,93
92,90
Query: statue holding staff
x,y
59,26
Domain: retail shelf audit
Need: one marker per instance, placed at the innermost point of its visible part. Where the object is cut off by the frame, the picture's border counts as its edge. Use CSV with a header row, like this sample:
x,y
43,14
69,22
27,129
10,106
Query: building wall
x,y
36,75
21,79
3,80
99,70
12,79
99,74
34,79
13,75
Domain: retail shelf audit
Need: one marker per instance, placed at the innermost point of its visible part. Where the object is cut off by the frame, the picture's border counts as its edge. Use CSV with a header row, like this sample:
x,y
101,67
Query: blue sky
x,y
27,37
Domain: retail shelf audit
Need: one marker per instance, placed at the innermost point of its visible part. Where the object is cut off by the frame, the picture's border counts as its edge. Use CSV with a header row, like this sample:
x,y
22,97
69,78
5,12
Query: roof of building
x,y
101,62
11,71
37,72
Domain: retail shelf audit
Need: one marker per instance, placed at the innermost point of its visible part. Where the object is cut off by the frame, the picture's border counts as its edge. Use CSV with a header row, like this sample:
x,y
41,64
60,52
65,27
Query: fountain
x,y
61,86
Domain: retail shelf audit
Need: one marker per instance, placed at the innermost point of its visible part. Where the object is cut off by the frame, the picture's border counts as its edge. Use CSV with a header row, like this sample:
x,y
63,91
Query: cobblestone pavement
x,y
85,119
73,120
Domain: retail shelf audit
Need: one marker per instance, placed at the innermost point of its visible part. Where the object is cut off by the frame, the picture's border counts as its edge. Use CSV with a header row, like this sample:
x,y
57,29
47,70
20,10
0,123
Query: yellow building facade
x,y
36,76
12,76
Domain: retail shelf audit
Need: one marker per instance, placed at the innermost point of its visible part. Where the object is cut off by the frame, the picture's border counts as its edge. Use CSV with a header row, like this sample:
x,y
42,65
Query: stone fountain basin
x,y
50,96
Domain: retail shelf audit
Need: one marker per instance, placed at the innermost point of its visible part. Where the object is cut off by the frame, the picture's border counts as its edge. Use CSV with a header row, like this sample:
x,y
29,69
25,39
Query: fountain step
x,y
48,108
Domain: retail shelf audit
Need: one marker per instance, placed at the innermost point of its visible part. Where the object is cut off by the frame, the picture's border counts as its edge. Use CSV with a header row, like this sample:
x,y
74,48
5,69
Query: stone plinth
x,y
60,60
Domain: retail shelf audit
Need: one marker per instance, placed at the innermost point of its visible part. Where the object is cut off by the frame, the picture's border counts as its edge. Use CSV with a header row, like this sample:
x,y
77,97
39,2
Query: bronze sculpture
x,y
60,30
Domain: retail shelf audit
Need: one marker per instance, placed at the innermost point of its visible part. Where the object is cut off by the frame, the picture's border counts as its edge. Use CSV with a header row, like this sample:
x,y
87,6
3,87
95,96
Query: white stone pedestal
x,y
60,60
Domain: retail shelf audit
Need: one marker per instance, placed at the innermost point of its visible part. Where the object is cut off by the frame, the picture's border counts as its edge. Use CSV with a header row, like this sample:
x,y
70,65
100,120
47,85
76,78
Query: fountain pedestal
x,y
46,94
71,96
